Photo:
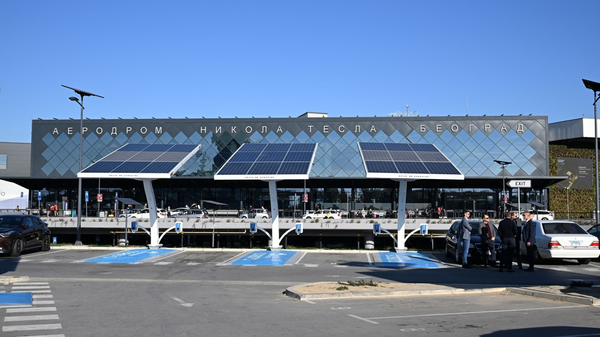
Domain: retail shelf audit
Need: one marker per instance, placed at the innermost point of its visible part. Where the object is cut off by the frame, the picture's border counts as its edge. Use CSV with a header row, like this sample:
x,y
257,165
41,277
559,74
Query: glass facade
x,y
471,143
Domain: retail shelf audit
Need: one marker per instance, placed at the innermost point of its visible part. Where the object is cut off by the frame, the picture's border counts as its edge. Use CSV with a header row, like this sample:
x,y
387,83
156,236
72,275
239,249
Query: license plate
x,y
575,243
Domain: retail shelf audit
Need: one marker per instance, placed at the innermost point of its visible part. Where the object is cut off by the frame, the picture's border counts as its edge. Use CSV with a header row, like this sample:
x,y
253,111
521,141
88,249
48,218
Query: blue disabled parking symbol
x,y
130,256
406,260
266,258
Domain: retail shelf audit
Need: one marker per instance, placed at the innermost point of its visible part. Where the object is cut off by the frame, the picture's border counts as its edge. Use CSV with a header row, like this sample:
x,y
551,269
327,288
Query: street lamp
x,y
79,101
504,197
595,86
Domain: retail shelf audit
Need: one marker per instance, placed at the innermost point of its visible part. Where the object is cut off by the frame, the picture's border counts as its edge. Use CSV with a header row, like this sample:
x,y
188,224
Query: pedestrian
x,y
508,231
466,238
168,211
518,242
488,236
529,239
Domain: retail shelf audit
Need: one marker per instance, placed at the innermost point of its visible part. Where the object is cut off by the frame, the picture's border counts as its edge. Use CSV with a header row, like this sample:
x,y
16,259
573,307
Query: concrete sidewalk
x,y
309,292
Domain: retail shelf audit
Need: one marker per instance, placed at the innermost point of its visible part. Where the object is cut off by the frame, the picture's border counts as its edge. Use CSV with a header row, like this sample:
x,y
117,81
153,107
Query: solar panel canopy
x,y
407,161
143,161
269,162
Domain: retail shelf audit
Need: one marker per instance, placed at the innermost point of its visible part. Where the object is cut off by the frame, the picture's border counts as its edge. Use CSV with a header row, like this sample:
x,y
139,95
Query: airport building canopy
x,y
141,161
269,162
407,161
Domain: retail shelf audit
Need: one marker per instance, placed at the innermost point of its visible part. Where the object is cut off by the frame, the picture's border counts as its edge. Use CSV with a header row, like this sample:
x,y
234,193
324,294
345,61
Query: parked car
x,y
454,234
257,213
563,240
190,213
539,215
595,231
323,214
20,232
145,213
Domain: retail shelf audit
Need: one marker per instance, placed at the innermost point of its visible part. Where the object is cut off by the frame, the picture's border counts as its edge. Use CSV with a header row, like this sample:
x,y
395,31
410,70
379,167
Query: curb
x,y
582,299
293,293
577,299
13,279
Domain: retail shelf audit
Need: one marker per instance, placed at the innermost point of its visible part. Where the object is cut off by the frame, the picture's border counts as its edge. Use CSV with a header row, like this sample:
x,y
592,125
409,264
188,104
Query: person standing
x,y
466,238
488,235
518,242
508,232
529,239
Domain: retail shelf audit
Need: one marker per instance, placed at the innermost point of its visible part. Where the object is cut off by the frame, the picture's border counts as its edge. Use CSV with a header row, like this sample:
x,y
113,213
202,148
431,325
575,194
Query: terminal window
x,y
2,162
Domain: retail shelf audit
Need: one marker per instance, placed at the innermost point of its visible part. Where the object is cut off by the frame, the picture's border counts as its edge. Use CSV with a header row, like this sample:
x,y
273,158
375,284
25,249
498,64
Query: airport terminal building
x,y
337,178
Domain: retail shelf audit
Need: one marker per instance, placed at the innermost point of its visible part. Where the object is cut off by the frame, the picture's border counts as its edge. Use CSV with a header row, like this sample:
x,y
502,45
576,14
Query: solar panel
x,y
269,162
151,161
406,161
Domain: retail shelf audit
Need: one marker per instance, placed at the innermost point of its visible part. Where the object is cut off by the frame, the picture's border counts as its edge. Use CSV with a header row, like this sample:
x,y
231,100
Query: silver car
x,y
563,240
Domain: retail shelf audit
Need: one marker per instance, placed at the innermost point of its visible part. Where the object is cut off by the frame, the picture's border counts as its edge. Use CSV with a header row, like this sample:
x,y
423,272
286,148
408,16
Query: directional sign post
x,y
87,199
519,184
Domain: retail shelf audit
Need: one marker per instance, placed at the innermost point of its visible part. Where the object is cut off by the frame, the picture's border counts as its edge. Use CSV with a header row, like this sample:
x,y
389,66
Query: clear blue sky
x,y
280,58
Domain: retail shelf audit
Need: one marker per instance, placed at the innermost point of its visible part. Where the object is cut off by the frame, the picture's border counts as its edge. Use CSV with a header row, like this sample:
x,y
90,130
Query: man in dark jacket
x,y
518,242
487,233
507,230
529,239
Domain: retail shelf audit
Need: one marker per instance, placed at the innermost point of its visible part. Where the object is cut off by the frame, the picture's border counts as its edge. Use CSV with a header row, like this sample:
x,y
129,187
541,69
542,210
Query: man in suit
x,y
508,231
518,242
488,235
529,239
466,238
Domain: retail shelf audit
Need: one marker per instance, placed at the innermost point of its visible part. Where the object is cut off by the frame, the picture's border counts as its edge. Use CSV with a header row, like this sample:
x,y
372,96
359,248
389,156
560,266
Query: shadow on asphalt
x,y
482,277
8,264
546,331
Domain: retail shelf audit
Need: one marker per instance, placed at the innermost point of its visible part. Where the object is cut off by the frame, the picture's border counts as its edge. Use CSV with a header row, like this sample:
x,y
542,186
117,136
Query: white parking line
x,y
301,257
474,312
231,259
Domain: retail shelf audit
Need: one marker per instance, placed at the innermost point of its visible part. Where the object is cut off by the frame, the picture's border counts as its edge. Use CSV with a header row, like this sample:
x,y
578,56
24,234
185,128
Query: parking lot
x,y
190,291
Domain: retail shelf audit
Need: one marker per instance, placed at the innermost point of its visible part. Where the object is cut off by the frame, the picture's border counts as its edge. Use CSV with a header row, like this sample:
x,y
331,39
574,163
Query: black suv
x,y
19,232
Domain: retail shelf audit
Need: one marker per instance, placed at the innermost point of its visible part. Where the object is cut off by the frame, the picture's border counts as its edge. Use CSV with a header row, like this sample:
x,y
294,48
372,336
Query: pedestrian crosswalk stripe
x,y
31,327
42,302
29,318
42,296
20,310
29,287
33,291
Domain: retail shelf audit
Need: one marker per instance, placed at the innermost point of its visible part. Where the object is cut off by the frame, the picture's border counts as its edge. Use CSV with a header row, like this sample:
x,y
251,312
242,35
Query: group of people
x,y
510,234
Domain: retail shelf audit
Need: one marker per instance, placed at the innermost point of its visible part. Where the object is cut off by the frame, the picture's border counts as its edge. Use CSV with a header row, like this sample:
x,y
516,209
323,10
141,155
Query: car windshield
x,y
10,221
562,228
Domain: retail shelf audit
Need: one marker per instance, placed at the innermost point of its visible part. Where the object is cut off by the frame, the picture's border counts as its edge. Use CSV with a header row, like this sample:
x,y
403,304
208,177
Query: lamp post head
x,y
502,162
595,86
75,99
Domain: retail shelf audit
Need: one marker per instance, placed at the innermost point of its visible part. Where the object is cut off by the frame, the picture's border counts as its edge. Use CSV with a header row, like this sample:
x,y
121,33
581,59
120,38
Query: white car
x,y
145,214
563,240
257,213
539,215
323,214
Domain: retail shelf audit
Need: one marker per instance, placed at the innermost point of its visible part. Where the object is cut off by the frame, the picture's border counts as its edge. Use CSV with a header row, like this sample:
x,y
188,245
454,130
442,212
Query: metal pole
x,y
78,241
504,197
568,212
596,96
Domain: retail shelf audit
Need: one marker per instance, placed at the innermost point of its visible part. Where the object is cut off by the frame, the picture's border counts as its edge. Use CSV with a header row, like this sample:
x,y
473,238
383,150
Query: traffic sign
x,y
519,183
87,196
39,196
376,229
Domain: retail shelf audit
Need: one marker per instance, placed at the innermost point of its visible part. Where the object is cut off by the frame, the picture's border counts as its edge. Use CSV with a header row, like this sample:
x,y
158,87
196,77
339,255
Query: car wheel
x,y
17,248
244,217
308,217
457,255
544,218
46,243
583,261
